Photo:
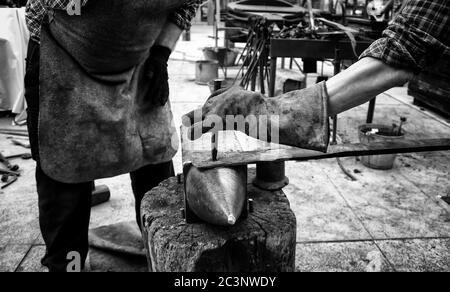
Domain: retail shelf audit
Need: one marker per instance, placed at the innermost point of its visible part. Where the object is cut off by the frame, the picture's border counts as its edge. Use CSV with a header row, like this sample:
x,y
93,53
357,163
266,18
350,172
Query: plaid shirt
x,y
416,38
36,10
397,5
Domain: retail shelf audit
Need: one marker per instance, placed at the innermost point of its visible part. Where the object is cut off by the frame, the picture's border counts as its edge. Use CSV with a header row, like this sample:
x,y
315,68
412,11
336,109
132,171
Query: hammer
x,y
100,194
13,180
12,167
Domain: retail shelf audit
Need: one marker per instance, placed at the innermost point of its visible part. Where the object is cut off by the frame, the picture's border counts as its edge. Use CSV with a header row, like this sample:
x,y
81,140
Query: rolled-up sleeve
x,y
183,15
61,4
416,38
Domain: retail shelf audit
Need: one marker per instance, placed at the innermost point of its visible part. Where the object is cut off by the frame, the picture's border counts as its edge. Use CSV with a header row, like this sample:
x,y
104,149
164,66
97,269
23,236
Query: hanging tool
x,y
14,132
256,54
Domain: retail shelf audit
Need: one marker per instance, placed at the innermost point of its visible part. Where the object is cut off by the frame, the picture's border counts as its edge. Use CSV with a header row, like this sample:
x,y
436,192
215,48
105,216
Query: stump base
x,y
263,242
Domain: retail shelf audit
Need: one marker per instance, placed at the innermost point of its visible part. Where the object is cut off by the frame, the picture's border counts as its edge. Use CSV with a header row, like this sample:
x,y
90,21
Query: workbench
x,y
336,49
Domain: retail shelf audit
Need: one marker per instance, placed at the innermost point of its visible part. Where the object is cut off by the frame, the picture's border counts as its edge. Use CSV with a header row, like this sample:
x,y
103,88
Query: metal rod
x,y
10,172
311,15
13,180
340,150
215,134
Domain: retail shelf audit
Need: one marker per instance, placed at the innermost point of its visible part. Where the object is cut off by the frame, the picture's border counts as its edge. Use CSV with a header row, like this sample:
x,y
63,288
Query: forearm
x,y
169,35
361,82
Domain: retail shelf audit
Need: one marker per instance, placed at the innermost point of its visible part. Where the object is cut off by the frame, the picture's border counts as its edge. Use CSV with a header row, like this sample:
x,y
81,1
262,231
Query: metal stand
x,y
371,110
271,176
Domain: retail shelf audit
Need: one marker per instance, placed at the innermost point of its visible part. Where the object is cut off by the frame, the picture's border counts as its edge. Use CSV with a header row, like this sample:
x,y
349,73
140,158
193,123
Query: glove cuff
x,y
160,52
314,108
324,115
304,120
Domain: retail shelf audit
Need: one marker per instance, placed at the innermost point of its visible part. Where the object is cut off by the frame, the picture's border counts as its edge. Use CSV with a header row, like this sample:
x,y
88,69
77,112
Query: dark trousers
x,y
64,209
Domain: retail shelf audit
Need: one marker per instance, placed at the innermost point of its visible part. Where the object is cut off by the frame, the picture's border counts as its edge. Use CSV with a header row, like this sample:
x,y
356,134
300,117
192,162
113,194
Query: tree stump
x,y
263,242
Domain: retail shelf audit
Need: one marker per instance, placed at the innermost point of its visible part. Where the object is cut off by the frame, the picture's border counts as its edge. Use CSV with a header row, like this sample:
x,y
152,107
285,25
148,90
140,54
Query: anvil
x,y
216,190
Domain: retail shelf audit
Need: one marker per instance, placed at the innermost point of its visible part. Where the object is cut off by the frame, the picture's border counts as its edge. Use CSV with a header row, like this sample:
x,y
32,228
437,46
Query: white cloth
x,y
14,37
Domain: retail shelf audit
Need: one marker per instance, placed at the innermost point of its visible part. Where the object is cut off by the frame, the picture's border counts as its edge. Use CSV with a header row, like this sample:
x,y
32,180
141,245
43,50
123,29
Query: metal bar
x,y
398,147
261,72
371,110
273,73
201,159
14,133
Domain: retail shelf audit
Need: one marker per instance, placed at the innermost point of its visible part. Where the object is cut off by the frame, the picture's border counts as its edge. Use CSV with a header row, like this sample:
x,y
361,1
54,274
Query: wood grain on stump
x,y
265,241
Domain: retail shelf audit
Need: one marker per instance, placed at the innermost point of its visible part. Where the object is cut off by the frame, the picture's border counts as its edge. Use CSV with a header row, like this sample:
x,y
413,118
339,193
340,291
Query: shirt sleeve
x,y
183,15
416,38
61,4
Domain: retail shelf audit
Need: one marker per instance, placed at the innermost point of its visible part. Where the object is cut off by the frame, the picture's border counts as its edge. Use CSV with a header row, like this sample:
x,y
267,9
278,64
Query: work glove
x,y
158,78
300,116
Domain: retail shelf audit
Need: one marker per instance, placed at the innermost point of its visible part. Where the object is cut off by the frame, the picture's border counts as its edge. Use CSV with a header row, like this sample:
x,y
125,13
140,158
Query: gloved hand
x,y
301,116
156,71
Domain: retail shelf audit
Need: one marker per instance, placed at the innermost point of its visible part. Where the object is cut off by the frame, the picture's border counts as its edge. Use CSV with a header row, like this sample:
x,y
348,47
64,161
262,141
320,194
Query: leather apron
x,y
93,118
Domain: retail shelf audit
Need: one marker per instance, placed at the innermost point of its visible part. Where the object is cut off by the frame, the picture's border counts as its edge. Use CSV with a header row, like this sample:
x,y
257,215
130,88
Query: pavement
x,y
390,220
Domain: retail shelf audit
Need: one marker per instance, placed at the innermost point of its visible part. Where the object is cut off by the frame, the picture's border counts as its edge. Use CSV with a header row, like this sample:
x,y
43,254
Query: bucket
x,y
225,56
384,134
205,71
225,84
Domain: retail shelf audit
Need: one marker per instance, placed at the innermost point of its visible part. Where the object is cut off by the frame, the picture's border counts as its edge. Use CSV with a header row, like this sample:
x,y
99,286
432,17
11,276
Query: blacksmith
x,y
418,37
97,93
